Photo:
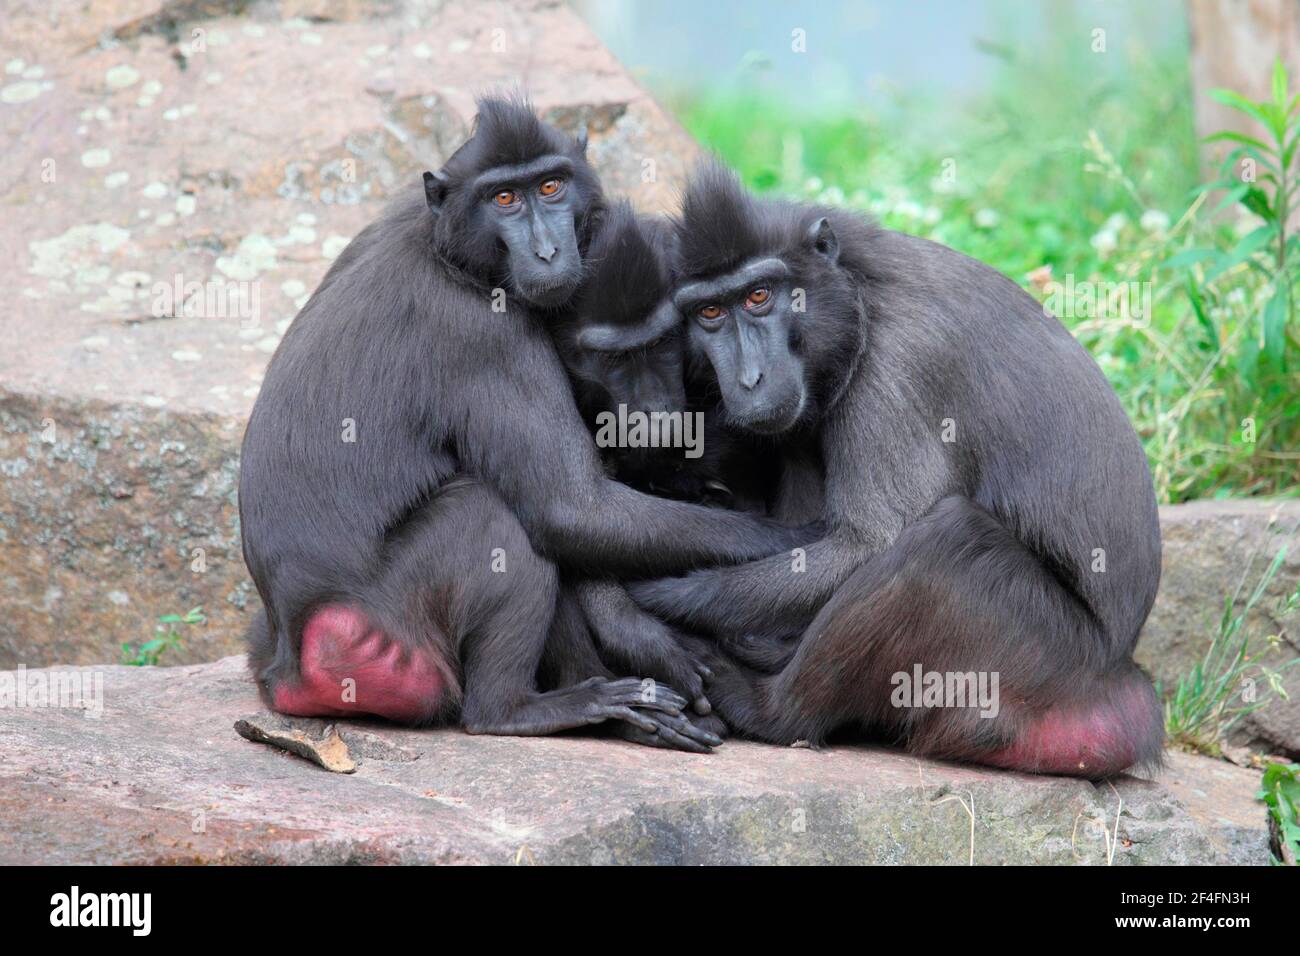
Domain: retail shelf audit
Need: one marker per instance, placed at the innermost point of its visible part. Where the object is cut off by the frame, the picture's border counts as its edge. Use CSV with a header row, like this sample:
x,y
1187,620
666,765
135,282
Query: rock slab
x,y
178,176
1214,549
161,776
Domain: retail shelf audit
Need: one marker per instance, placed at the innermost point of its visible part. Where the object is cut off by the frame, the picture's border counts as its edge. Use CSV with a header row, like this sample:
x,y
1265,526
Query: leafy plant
x,y
1265,187
167,636
1280,791
1222,687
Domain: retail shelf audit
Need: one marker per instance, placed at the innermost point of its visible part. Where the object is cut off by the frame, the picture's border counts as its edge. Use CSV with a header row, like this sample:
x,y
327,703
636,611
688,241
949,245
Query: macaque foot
x,y
646,645
655,709
348,667
676,732
713,724
645,705
661,655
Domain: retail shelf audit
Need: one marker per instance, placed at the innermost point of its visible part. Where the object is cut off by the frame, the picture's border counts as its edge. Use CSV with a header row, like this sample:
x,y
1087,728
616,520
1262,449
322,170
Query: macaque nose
x,y
541,238
750,378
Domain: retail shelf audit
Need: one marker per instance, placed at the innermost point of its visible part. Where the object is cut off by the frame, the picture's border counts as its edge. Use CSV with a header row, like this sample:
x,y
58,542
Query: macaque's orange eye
x,y
550,187
758,296
711,312
506,197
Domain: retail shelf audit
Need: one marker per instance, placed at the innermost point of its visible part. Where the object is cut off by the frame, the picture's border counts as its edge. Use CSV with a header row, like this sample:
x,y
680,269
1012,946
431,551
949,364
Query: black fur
x,y
624,345
971,555
467,440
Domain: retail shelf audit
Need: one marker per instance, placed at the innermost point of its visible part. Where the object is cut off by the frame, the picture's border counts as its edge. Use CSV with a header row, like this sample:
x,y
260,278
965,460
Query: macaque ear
x,y
822,239
612,337
581,137
435,190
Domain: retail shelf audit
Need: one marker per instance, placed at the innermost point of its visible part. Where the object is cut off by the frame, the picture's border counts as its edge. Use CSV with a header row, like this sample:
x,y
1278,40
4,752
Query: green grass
x,y
1091,173
1240,672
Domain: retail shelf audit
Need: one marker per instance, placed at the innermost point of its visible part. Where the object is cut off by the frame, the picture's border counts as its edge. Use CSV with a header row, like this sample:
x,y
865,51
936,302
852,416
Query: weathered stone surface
x,y
236,146
126,514
1221,797
161,776
1209,548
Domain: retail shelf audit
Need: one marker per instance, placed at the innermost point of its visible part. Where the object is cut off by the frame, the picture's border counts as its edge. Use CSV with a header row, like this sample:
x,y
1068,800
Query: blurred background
x,y
179,175
1059,141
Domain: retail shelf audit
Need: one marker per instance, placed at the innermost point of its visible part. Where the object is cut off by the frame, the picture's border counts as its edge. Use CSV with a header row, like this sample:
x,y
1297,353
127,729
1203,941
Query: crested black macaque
x,y
624,346
415,470
989,507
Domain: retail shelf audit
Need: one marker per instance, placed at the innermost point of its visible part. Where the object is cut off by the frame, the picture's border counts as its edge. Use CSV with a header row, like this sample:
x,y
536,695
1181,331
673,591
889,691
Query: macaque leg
x,y
462,585
571,657
765,653
1039,687
639,641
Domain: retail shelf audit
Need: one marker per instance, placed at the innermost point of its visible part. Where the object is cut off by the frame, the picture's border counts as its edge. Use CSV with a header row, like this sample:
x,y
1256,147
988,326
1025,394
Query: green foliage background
x,y
1093,173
